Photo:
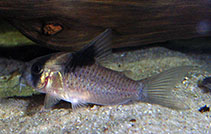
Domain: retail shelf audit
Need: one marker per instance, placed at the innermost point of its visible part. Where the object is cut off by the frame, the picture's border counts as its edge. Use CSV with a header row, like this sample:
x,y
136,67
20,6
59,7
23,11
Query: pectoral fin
x,y
50,101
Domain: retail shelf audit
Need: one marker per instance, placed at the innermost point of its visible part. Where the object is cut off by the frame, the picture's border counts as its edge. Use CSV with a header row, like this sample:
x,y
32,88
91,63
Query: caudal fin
x,y
158,89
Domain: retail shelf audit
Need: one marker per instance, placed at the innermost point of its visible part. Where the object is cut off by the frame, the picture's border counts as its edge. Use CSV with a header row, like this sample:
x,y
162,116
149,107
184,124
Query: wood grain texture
x,y
134,22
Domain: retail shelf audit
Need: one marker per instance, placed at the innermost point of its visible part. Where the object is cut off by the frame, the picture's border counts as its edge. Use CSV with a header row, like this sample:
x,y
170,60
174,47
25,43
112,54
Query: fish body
x,y
99,85
79,78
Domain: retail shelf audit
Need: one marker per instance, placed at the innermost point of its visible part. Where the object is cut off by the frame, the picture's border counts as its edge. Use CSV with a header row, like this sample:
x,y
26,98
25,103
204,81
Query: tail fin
x,y
157,89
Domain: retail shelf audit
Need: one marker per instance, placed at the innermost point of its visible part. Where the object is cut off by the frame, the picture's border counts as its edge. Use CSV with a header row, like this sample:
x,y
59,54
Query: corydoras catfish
x,y
79,78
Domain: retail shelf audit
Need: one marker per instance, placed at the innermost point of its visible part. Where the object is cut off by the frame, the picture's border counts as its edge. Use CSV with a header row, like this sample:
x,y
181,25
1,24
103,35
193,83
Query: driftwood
x,y
73,23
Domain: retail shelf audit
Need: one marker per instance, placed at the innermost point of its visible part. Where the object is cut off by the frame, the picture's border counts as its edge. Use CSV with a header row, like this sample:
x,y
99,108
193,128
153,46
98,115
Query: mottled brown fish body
x,y
98,85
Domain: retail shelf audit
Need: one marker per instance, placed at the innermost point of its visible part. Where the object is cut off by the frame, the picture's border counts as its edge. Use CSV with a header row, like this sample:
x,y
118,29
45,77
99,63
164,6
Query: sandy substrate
x,y
23,115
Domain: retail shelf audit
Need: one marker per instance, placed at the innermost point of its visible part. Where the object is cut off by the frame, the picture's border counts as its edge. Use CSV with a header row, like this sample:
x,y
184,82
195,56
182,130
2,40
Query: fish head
x,y
44,73
47,73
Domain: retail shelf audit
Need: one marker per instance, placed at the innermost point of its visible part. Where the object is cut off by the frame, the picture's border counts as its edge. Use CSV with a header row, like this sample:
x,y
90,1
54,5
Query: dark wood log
x,y
67,23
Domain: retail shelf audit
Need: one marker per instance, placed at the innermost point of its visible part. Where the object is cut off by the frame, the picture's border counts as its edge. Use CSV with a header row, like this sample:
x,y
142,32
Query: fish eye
x,y
36,68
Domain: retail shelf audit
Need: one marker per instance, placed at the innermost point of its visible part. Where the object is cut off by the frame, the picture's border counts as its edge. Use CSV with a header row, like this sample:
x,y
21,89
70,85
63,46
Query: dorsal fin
x,y
96,50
